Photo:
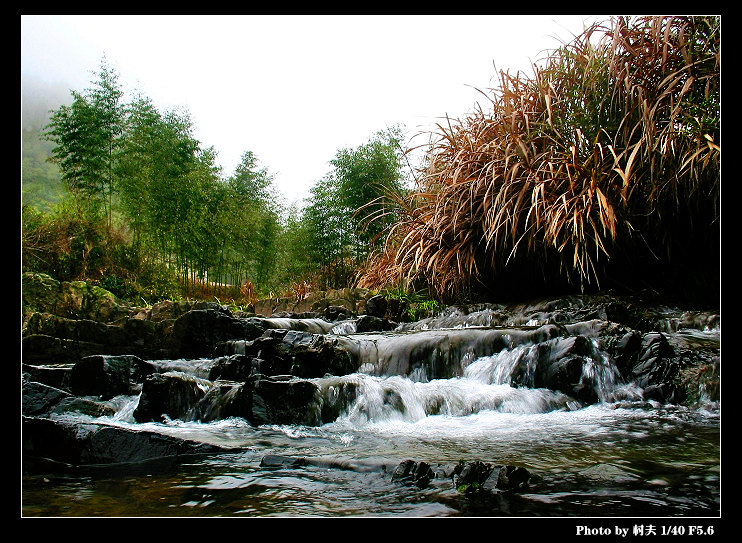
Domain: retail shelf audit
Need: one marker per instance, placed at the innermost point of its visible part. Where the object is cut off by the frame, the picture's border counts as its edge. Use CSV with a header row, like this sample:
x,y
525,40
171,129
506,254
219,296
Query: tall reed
x,y
607,158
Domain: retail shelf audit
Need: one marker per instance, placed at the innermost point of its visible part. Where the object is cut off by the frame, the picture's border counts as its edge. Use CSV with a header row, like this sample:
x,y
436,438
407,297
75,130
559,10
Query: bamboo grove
x,y
147,213
600,170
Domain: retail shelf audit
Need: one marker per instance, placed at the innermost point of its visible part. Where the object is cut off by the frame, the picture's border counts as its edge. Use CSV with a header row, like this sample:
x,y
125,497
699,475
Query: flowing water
x,y
620,457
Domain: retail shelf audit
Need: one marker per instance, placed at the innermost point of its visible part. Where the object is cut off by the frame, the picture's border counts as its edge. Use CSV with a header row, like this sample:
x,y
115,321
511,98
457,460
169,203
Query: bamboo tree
x,y
88,136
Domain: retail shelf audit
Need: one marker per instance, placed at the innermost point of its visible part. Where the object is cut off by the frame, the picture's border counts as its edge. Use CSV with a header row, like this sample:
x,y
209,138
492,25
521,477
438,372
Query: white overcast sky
x,y
295,89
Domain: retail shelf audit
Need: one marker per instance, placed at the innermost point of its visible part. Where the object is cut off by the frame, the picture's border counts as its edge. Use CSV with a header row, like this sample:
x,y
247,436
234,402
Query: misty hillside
x,y
40,179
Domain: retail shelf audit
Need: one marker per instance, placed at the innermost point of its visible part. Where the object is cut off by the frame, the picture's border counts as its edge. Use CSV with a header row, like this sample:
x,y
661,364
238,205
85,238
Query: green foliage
x,y
175,216
87,136
417,304
70,243
350,208
251,225
148,215
369,182
155,282
41,183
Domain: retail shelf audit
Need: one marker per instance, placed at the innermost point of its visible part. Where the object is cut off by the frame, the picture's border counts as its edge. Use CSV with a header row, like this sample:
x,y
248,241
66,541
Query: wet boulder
x,y
472,476
322,356
279,461
40,399
334,313
234,367
284,352
54,375
656,369
107,376
513,478
371,323
558,364
43,400
78,444
376,306
336,396
223,400
260,400
196,333
625,350
171,394
283,400
46,349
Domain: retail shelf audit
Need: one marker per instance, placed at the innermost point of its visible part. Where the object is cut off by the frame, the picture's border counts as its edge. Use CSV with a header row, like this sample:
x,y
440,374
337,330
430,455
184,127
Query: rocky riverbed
x,y
107,384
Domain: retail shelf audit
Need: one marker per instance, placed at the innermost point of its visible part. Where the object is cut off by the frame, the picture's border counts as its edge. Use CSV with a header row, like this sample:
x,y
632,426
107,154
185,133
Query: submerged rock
x,y
78,444
417,473
472,477
480,476
277,461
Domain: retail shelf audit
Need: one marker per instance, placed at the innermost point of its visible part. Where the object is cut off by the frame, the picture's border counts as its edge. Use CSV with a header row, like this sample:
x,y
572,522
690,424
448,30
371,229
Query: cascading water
x,y
464,387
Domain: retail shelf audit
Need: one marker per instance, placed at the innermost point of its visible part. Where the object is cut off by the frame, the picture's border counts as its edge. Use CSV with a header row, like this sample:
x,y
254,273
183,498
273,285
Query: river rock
x,y
196,333
283,400
370,323
235,367
283,352
108,376
335,313
278,461
412,472
44,349
40,399
53,375
172,395
513,478
376,306
78,444
477,476
472,476
49,338
259,399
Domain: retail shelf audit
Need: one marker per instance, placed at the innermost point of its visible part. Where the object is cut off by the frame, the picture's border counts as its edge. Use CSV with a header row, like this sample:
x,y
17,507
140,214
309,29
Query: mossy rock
x,y
72,299
40,293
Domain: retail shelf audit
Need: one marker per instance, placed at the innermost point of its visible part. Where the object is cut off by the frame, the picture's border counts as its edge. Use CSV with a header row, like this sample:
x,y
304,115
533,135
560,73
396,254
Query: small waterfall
x,y
315,326
198,367
602,375
454,318
498,369
345,327
509,381
484,386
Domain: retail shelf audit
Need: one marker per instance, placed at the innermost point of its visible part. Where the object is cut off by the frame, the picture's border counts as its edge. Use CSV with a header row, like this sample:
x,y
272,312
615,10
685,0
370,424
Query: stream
x,y
622,456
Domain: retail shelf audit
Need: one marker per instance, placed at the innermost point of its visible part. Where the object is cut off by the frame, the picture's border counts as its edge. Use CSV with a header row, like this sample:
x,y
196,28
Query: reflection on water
x,y
602,460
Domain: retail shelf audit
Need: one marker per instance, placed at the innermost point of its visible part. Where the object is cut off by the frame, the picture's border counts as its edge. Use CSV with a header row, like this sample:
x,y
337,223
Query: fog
x,y
292,89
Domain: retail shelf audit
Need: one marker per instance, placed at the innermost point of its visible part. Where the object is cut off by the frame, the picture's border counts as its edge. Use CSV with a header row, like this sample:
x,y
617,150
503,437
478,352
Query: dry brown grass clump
x,y
610,150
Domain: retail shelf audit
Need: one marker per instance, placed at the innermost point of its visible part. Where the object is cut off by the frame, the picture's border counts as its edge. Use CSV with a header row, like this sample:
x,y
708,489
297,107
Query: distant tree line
x,y
148,212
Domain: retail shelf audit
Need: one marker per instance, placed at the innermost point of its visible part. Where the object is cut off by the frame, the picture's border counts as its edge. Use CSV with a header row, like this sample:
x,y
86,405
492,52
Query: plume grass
x,y
609,151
